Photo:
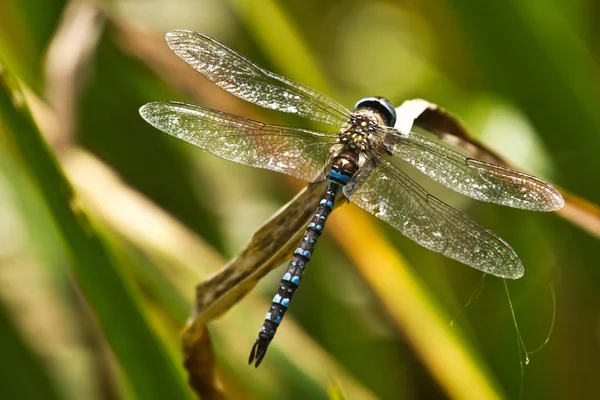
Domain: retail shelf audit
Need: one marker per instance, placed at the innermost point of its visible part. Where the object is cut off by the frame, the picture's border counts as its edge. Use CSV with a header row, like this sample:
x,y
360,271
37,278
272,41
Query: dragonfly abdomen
x,y
343,168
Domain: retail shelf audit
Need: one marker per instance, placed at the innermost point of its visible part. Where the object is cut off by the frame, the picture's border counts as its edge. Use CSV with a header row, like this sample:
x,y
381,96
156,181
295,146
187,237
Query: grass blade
x,y
150,372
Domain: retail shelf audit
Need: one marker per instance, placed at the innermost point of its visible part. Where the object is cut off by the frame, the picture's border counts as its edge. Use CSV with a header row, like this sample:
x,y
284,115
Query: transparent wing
x,y
297,152
385,191
246,80
474,178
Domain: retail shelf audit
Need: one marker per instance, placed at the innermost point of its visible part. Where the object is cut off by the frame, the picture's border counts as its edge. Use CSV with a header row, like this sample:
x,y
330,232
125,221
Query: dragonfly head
x,y
381,106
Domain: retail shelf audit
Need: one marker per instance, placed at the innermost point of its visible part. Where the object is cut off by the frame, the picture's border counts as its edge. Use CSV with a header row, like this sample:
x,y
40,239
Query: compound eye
x,y
381,106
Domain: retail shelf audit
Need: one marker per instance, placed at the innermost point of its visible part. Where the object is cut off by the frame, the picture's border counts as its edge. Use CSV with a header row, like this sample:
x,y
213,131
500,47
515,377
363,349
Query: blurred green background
x,y
106,224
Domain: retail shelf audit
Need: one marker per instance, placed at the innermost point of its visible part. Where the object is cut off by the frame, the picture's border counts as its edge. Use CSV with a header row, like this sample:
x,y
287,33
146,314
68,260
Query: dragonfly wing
x,y
382,189
246,80
300,153
474,178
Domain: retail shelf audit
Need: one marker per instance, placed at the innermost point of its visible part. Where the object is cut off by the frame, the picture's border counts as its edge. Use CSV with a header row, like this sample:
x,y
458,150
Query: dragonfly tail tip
x,y
259,349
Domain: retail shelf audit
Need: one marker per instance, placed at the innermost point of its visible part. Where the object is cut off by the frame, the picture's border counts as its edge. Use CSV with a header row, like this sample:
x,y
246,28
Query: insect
x,y
356,157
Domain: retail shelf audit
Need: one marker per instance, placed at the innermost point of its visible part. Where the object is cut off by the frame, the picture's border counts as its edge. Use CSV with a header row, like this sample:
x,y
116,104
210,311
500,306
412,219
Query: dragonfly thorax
x,y
360,133
363,131
346,164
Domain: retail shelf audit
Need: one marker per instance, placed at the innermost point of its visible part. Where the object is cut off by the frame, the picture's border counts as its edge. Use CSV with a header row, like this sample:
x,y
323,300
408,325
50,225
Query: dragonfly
x,y
357,158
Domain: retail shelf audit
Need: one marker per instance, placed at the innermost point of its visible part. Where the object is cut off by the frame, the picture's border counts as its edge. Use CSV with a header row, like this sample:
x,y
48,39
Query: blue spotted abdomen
x,y
338,177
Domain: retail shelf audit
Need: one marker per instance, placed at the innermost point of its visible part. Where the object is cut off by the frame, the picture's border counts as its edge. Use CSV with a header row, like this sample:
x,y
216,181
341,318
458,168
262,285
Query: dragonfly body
x,y
354,137
357,158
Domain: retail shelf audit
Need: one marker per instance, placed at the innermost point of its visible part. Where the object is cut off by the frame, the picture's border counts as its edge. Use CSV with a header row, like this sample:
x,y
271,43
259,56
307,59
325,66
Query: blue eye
x,y
380,105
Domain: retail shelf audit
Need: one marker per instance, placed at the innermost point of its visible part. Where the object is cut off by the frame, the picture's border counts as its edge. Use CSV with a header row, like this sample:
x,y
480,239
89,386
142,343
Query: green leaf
x,y
25,32
151,373
23,377
529,53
